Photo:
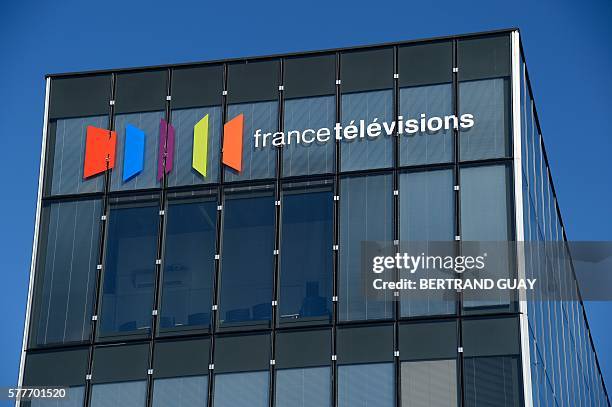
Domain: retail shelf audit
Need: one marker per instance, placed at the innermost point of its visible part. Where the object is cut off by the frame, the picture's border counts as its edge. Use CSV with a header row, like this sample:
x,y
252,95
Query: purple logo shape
x,y
166,149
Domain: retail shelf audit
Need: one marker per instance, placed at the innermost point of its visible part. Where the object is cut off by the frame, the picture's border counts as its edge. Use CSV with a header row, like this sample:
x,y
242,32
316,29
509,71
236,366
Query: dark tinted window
x,y
189,264
486,57
80,96
129,270
306,254
366,70
41,368
247,264
425,64
310,76
253,81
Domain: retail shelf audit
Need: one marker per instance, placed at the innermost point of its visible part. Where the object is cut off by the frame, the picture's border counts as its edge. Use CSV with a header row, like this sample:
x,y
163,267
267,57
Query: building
x,y
182,258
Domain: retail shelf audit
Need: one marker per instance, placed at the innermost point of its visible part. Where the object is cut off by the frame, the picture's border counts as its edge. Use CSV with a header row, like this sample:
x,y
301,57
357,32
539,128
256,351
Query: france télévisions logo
x,y
101,144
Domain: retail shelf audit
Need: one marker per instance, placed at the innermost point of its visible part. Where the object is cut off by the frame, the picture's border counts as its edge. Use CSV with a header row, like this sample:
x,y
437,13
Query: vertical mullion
x,y
219,240
336,242
396,230
160,249
457,182
277,238
101,252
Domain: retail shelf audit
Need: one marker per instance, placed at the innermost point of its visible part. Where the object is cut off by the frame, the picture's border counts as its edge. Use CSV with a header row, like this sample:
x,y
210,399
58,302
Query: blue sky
x,y
568,54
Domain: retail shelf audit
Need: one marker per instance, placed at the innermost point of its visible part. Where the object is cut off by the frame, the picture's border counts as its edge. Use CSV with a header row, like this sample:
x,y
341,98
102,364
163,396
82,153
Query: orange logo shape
x,y
99,151
232,142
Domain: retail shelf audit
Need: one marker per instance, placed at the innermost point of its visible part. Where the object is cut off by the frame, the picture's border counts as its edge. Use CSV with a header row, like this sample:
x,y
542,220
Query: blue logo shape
x,y
133,155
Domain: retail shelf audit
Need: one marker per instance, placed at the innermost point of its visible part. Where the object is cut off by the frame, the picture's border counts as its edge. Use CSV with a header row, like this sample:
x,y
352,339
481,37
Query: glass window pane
x,y
74,398
484,203
181,392
309,158
485,216
184,121
242,353
197,86
247,264
189,263
183,357
426,147
427,206
129,271
148,122
425,63
300,349
427,214
366,214
492,381
66,271
430,383
140,102
484,57
67,154
306,76
125,394
306,260
366,385
257,163
79,96
488,101
307,387
41,368
247,389
365,153
75,103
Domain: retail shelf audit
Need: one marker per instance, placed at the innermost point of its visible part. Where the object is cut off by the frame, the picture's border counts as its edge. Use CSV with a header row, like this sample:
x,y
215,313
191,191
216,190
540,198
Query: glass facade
x,y
228,273
563,361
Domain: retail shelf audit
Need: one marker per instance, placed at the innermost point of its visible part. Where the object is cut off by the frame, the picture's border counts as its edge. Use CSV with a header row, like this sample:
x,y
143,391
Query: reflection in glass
x,y
247,264
129,272
188,263
306,259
